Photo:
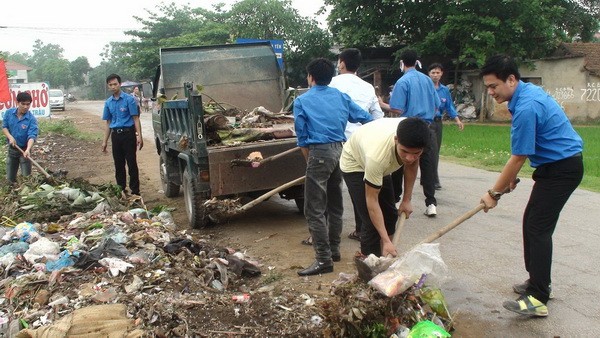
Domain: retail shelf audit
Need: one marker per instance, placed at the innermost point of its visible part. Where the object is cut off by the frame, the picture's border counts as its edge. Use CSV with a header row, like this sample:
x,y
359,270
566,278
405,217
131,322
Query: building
x,y
17,73
571,75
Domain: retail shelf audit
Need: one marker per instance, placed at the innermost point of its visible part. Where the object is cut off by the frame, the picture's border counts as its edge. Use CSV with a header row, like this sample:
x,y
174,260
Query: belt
x,y
123,130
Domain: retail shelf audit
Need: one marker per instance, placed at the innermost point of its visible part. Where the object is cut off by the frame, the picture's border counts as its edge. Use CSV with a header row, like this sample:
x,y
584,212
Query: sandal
x,y
353,235
307,241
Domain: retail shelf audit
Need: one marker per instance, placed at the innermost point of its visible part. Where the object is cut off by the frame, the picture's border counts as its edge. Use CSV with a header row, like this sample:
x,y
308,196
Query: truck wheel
x,y
171,189
193,202
300,204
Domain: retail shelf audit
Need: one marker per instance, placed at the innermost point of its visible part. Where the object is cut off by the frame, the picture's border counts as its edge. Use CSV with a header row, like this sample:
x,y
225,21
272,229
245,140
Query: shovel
x,y
39,167
255,163
365,271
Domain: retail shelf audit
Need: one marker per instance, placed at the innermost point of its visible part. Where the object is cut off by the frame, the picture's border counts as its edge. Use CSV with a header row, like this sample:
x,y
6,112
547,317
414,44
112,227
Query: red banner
x,y
4,91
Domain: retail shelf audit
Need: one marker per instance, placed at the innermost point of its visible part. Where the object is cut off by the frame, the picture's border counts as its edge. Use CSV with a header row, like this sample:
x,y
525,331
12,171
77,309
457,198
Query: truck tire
x,y
193,202
171,189
300,204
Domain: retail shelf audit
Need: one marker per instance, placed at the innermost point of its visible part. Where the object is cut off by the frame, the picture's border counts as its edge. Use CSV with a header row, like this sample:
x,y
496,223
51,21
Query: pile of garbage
x,y
233,126
464,99
133,272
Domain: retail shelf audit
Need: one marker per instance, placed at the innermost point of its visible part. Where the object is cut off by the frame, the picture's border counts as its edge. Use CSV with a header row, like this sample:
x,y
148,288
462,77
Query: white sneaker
x,y
431,211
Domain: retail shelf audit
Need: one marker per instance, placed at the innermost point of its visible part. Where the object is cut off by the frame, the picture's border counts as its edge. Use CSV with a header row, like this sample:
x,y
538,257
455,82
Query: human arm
x,y
106,136
9,137
409,176
375,107
399,98
300,123
376,216
506,180
138,131
451,110
356,113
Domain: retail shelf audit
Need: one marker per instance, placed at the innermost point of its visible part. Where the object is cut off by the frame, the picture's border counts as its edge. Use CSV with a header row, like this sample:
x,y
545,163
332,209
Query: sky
x,y
83,28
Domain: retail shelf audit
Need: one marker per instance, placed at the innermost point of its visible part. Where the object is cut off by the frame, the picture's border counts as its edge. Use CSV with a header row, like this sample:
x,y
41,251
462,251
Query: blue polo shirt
x,y
415,95
446,104
540,128
321,115
120,110
21,129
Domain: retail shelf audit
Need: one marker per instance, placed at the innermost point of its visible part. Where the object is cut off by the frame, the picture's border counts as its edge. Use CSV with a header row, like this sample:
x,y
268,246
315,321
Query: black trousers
x,y
439,127
370,241
124,148
554,184
427,163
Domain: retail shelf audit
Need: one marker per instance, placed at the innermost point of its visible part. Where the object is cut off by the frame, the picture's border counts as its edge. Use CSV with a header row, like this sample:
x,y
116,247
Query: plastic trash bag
x,y
434,297
425,259
427,329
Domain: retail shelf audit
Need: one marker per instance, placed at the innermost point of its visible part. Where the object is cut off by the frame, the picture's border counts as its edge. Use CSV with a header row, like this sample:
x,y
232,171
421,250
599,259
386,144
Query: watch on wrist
x,y
494,194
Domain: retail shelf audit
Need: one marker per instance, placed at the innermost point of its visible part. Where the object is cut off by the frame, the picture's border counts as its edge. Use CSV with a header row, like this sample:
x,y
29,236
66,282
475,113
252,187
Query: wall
x,y
577,91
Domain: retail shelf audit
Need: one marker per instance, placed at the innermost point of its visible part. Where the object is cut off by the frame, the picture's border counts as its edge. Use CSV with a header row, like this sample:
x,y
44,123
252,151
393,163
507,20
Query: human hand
x,y
488,201
405,207
389,249
104,144
459,124
140,142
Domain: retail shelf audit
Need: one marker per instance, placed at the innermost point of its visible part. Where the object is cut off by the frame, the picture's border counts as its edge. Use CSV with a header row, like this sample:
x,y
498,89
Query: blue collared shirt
x,y
120,111
446,102
540,128
415,95
321,114
21,129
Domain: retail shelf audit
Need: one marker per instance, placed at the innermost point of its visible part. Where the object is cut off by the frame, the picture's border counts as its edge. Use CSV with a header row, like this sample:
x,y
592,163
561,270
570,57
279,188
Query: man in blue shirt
x,y
436,70
123,127
415,96
320,118
21,129
542,133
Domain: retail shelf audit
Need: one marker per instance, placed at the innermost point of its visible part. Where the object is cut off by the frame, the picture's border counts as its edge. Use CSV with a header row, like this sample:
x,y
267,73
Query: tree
x,y
465,30
79,68
171,26
277,19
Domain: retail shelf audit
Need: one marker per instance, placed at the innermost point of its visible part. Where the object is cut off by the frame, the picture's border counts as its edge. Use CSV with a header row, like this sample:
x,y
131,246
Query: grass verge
x,y
488,147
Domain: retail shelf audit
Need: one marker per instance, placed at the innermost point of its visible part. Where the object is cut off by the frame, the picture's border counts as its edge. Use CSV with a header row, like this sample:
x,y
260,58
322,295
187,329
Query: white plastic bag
x,y
404,272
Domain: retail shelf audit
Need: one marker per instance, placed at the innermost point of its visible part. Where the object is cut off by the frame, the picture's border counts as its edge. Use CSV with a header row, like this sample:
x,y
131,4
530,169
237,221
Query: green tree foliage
x,y
277,19
465,30
79,68
174,26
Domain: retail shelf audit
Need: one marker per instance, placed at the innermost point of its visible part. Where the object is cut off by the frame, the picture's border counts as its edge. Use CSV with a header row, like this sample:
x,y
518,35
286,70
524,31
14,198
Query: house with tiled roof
x,y
17,73
571,75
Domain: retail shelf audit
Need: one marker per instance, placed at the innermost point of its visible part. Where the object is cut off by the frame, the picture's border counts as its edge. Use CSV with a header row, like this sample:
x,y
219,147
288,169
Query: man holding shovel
x,y
21,130
542,133
371,155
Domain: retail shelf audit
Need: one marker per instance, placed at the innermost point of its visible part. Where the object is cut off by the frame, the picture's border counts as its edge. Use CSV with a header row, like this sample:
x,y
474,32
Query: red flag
x,y
4,91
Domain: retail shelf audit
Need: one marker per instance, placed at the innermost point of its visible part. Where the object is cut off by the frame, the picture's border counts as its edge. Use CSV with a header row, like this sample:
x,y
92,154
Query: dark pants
x,y
323,202
370,241
554,183
14,160
426,165
124,148
437,122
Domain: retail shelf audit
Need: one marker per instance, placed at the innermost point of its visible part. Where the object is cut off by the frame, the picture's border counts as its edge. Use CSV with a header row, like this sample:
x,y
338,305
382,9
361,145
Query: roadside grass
x,y
65,127
488,147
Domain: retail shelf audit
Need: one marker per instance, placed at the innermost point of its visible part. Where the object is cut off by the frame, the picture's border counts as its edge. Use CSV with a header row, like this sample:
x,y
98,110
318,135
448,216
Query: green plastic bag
x,y
435,299
427,329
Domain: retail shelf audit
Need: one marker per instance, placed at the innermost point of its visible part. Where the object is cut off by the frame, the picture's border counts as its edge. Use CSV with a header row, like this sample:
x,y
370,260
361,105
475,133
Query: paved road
x,y
484,254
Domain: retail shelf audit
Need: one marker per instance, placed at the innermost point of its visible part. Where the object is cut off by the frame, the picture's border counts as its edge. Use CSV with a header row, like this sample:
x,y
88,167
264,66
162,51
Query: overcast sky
x,y
83,28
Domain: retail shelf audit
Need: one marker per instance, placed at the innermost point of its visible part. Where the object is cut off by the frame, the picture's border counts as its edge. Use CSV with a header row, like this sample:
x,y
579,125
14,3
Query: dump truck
x,y
195,156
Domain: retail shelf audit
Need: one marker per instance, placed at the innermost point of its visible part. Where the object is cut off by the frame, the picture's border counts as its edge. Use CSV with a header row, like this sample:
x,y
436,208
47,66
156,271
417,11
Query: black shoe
x,y
316,268
336,258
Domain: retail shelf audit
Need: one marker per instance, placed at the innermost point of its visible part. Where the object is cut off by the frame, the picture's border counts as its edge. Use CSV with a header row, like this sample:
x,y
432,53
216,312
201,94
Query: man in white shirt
x,y
362,93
